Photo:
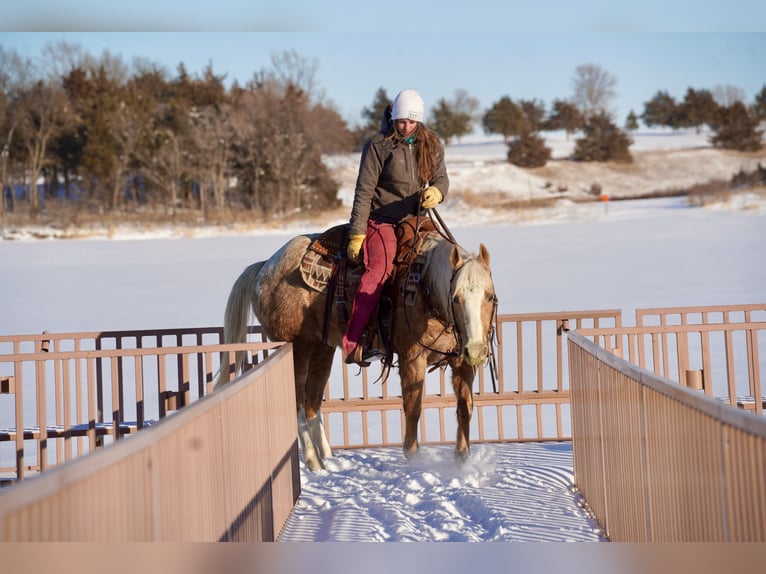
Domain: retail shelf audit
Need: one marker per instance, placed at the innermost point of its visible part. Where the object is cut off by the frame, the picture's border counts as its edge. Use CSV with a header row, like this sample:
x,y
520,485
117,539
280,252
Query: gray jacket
x,y
387,188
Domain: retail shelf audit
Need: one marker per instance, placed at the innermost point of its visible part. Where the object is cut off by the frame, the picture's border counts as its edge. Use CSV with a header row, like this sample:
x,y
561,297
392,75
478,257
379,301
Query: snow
x,y
572,255
510,492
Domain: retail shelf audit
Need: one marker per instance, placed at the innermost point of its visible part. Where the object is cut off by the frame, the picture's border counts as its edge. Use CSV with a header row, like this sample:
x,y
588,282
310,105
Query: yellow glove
x,y
431,198
354,248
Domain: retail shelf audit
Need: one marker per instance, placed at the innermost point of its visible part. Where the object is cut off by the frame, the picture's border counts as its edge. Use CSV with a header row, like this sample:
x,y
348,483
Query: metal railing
x,y
722,359
64,395
658,462
529,404
224,468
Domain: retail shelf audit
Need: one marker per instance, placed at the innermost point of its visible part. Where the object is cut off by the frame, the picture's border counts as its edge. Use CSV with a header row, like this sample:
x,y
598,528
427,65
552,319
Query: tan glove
x,y
431,198
354,248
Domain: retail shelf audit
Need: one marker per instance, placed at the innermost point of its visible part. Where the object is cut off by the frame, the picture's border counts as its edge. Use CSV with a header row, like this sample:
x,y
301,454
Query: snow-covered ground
x,y
573,256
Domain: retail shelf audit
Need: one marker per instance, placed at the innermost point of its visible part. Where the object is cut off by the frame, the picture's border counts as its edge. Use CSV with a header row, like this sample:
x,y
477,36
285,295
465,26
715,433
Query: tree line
x,y
103,137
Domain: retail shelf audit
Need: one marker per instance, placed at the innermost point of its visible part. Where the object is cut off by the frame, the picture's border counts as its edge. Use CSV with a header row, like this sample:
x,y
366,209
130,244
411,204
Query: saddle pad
x,y
316,270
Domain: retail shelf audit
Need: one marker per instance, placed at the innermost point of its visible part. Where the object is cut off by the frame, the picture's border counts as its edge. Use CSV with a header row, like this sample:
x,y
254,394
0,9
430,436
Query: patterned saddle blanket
x,y
321,259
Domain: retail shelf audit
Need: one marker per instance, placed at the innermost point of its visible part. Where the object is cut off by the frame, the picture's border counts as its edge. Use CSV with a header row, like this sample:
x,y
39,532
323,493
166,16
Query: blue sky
x,y
352,66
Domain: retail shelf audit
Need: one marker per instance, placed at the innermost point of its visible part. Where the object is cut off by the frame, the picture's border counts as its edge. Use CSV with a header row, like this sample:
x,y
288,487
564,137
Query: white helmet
x,y
408,105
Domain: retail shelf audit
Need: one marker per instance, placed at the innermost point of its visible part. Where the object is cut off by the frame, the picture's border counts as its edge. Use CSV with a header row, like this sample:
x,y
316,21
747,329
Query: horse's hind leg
x,y
320,365
312,369
462,383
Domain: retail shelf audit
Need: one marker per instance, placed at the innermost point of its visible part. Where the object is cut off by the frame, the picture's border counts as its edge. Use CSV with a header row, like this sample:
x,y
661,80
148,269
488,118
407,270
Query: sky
x,y
351,65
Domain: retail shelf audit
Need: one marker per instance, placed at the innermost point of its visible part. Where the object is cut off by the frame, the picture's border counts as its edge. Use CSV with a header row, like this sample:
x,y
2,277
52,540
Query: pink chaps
x,y
379,250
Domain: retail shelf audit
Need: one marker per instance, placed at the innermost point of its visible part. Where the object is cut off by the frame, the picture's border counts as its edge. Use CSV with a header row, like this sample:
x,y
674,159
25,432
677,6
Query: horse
x,y
448,319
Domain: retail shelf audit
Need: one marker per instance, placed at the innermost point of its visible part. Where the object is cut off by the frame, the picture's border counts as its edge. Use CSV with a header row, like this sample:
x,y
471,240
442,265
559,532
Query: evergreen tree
x,y
534,111
737,129
759,107
698,108
448,122
631,121
564,116
528,150
661,110
504,118
374,113
603,141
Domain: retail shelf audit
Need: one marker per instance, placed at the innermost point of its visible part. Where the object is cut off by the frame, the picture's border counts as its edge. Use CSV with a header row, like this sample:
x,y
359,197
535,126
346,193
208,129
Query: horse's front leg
x,y
462,384
412,372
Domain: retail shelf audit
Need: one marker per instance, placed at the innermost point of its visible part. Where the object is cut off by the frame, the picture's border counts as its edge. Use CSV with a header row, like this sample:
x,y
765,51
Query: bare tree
x,y
291,69
213,138
15,72
726,95
465,103
594,89
47,113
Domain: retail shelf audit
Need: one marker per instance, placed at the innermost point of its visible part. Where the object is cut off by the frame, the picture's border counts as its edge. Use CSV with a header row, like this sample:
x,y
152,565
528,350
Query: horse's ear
x,y
454,257
484,254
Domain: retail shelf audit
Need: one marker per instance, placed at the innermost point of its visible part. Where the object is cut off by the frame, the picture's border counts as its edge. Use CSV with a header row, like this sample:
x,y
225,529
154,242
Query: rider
x,y
401,170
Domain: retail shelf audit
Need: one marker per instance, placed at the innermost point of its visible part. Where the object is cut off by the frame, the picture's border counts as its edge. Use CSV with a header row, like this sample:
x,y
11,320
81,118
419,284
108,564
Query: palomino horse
x,y
448,319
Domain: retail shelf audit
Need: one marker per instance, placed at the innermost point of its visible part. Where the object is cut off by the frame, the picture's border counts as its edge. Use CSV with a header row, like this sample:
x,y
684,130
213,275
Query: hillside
x,y
484,187
662,163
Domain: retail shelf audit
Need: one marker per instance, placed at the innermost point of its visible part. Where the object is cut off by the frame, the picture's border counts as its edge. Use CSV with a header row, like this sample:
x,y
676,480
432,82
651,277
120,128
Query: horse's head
x,y
474,303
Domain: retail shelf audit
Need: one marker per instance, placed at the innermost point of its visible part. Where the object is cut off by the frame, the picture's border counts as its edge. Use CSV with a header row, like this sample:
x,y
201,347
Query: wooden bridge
x,y
64,396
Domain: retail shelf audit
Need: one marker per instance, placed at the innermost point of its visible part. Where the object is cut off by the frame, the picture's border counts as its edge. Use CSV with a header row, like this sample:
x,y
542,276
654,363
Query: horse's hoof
x,y
314,465
461,457
410,452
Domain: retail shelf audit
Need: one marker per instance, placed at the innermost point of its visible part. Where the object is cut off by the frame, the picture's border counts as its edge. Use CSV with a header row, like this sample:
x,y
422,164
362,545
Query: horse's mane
x,y
438,271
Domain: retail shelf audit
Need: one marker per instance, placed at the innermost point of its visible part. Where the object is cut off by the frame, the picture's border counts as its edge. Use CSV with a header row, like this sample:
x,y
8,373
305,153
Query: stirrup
x,y
363,357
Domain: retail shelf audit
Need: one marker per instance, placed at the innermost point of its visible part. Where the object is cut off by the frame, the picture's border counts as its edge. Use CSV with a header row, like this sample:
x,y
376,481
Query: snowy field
x,y
574,256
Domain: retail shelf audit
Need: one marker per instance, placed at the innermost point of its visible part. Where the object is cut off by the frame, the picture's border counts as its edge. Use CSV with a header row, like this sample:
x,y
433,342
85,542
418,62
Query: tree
x,y
534,111
15,72
454,118
661,110
504,118
726,94
46,115
448,122
697,109
528,150
603,141
291,69
594,89
737,129
631,121
759,107
564,116
373,116
464,103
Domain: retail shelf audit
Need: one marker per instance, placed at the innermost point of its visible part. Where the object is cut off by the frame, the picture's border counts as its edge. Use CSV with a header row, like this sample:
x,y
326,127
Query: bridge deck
x,y
504,492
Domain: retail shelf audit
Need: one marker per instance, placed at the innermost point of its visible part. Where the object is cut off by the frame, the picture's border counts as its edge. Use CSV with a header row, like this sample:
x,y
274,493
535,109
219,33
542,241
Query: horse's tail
x,y
235,320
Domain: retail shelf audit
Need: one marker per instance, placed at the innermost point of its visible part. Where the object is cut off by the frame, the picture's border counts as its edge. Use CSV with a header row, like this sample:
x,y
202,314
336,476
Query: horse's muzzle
x,y
476,353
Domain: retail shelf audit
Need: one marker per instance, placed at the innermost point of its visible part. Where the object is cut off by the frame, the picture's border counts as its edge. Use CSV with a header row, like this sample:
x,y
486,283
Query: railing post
x,y
695,379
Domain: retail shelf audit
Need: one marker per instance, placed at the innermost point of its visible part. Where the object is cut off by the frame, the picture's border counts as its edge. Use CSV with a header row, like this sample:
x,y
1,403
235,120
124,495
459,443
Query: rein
x,y
491,342
450,323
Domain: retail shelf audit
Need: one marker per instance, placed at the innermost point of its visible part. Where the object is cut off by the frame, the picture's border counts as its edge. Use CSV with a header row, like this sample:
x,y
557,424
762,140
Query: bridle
x,y
450,322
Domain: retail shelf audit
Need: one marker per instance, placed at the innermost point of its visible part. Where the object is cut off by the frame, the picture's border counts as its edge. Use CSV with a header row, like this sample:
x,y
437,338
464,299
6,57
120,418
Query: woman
x,y
402,169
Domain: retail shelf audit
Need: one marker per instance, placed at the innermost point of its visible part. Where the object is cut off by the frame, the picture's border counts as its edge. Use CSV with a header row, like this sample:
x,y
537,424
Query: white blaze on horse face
x,y
475,346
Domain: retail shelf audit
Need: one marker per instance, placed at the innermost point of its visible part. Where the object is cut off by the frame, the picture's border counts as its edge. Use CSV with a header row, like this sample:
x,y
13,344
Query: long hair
x,y
428,149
